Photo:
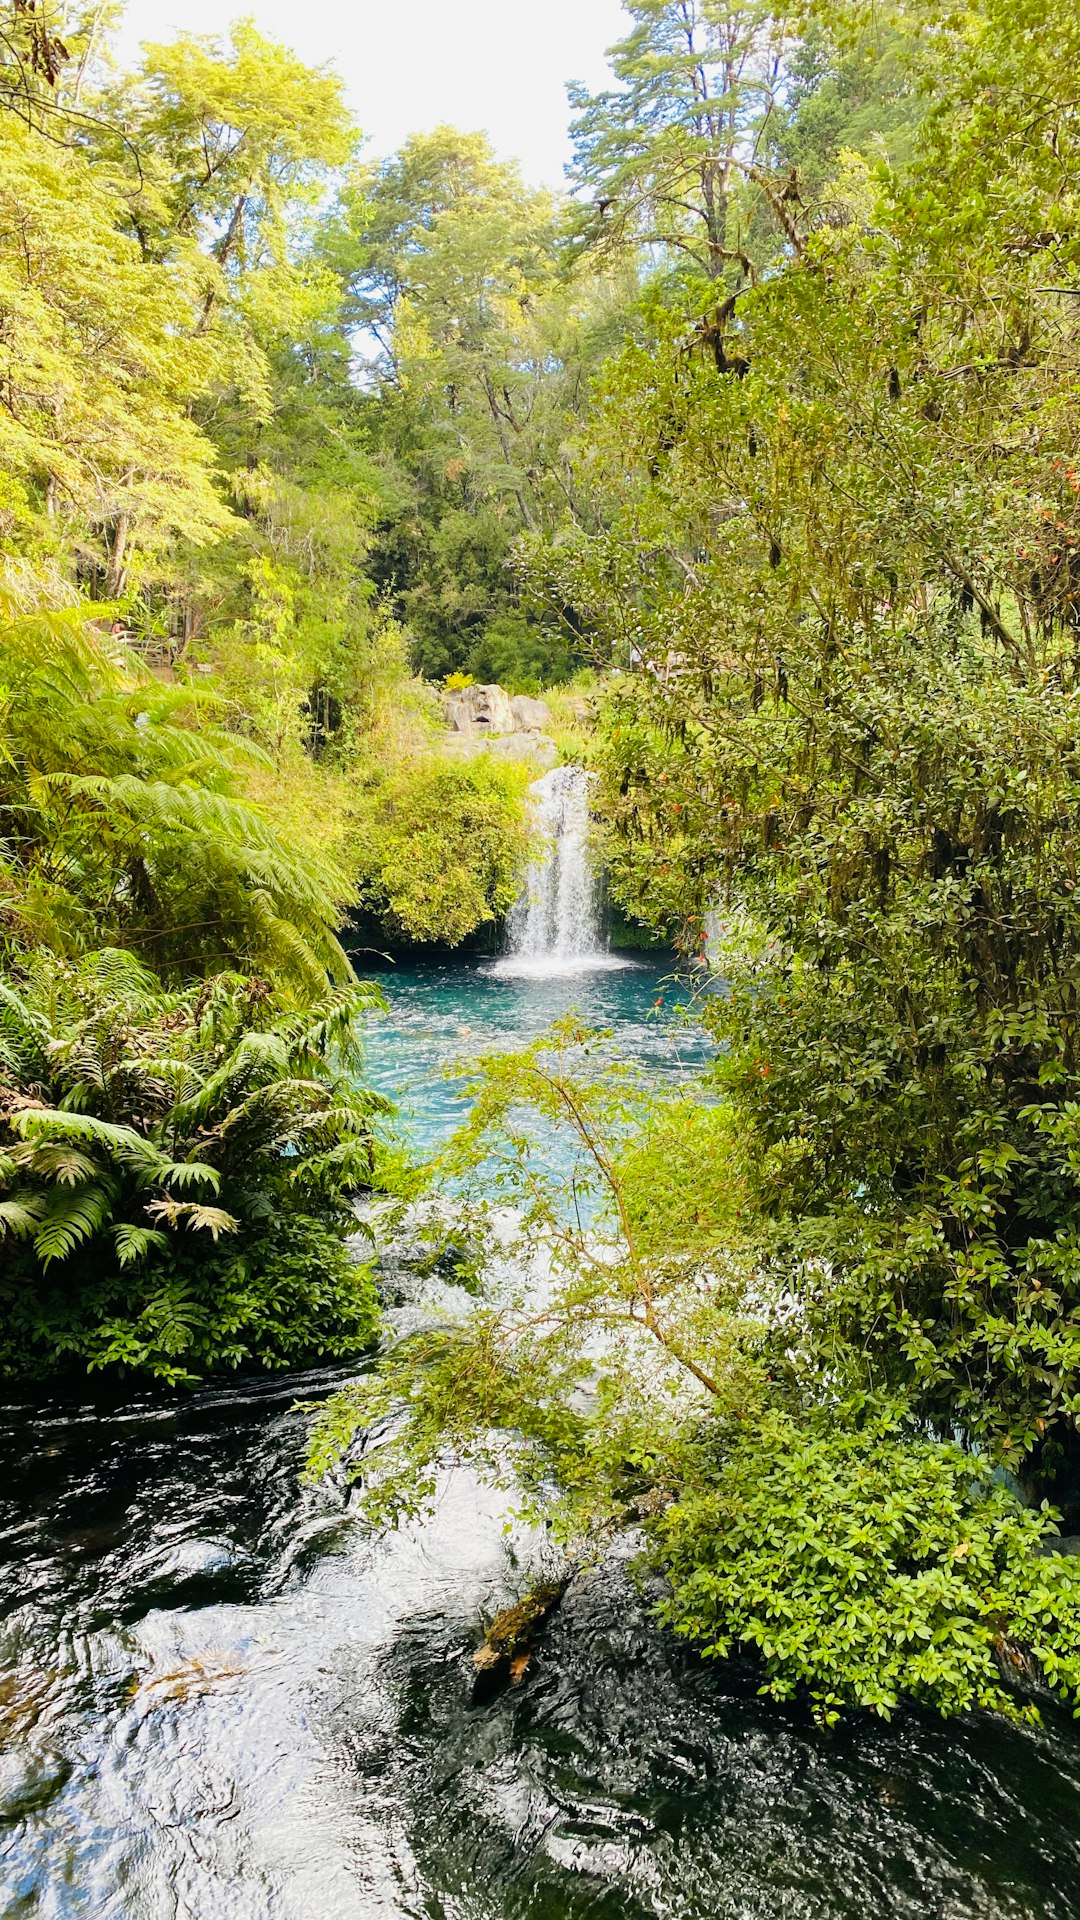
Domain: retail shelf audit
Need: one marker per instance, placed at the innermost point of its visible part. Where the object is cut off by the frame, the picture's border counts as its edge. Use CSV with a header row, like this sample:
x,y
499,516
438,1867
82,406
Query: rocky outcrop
x,y
479,710
491,710
489,717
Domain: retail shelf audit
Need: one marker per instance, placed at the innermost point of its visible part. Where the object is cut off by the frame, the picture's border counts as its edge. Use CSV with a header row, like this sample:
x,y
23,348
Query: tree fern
x,y
138,835
163,1122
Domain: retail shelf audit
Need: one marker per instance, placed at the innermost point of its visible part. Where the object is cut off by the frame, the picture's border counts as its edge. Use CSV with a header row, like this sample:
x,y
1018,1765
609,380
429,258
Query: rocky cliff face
x,y
490,717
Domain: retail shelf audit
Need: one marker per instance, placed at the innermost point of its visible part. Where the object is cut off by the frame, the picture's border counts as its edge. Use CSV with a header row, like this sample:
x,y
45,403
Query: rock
x,y
194,1559
490,710
29,1780
487,720
524,746
530,716
473,710
505,1653
190,1564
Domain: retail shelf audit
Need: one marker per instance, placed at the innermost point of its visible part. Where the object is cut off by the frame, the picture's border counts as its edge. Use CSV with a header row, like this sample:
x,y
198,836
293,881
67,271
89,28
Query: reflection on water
x,y
220,1701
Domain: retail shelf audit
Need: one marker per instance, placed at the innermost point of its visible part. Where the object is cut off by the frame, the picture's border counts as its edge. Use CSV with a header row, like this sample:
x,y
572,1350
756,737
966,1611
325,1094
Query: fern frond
x,y
189,1173
215,1220
55,1123
19,1216
59,1160
122,977
22,1035
69,1217
258,1058
134,1243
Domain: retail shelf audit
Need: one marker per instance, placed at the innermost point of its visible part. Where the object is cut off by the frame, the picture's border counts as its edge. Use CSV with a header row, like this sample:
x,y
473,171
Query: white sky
x,y
496,65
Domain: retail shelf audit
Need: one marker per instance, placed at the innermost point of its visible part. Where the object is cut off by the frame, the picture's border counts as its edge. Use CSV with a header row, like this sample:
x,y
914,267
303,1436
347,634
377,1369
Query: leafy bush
x,y
865,1565
441,845
647,1375
176,1171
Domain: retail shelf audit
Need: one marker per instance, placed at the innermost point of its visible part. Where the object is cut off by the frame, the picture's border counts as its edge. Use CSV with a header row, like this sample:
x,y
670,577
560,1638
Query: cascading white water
x,y
556,925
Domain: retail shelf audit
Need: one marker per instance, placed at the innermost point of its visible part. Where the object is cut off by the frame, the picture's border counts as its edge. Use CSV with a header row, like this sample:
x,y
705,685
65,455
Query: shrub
x,y
442,844
864,1565
176,1171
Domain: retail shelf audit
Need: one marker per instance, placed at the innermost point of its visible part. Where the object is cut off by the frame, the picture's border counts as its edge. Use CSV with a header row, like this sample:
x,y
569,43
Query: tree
x,y
232,136
99,376
480,355
33,55
849,85
122,822
665,154
441,845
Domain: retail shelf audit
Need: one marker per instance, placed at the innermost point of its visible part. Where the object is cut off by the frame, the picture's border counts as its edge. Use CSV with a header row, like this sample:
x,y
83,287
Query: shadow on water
x,y
221,1700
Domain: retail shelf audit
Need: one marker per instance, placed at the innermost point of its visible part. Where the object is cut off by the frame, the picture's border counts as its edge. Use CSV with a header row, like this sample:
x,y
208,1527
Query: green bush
x,y
663,1381
176,1172
865,1565
441,845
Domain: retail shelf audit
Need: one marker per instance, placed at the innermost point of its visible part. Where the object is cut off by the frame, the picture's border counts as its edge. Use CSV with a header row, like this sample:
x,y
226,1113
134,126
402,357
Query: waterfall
x,y
556,924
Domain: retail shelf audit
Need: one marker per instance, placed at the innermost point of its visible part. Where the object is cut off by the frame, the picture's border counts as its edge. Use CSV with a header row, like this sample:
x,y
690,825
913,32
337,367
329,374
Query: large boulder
x,y
530,716
479,710
475,711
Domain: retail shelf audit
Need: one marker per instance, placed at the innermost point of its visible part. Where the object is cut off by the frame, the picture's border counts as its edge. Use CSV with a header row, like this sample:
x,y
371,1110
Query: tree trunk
x,y
116,571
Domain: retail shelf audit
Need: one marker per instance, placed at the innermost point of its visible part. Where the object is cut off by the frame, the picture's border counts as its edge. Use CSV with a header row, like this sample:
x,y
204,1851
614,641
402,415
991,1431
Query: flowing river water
x,y
221,1700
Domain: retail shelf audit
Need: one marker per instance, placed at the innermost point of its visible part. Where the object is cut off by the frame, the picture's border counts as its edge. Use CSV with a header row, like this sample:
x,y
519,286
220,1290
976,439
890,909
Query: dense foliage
x,y
650,1378
124,818
776,425
865,1565
185,1158
480,351
212,745
854,742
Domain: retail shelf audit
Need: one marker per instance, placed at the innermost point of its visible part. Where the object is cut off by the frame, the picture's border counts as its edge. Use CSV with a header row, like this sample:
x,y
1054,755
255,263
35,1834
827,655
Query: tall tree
x,y
844,576
664,155
100,376
232,134
479,356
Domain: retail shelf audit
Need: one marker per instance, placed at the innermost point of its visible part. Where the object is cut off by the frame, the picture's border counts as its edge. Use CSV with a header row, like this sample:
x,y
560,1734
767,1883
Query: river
x,y
220,1700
